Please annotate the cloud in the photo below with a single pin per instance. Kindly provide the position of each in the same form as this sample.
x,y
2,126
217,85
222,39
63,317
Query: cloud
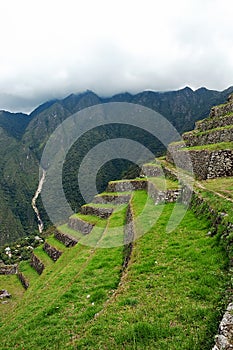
x,y
52,48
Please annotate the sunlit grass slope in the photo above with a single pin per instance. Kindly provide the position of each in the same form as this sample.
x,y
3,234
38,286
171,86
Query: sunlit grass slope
x,y
168,298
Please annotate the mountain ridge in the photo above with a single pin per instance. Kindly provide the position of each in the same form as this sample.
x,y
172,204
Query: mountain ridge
x,y
31,132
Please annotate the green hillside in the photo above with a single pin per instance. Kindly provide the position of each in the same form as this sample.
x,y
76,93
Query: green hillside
x,y
23,139
164,299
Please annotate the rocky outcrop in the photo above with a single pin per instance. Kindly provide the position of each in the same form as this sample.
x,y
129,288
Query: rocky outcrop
x,y
52,252
66,239
37,264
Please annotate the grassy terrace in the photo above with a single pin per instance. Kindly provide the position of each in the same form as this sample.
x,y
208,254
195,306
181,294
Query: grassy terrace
x,y
210,147
220,185
213,119
14,287
162,184
63,299
167,299
206,132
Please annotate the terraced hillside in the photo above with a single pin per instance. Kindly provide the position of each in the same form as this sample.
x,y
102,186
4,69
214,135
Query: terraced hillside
x,y
116,276
210,144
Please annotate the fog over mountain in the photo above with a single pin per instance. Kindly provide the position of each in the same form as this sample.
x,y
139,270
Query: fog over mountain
x,y
50,49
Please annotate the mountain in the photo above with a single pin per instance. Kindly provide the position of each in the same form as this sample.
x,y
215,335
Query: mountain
x,y
23,138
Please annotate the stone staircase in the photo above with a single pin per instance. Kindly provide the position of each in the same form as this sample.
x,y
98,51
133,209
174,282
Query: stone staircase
x,y
210,145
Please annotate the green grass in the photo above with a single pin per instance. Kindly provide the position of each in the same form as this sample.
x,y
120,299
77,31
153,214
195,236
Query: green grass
x,y
100,205
12,284
206,132
223,185
163,184
210,147
92,219
56,244
113,194
63,299
213,119
168,298
43,256
28,271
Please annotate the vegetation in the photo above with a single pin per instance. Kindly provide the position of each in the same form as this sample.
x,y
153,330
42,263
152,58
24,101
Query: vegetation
x,y
167,298
23,139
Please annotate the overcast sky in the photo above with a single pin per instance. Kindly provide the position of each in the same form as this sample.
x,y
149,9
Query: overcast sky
x,y
51,48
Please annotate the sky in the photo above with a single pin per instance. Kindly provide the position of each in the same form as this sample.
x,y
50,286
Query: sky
x,y
49,49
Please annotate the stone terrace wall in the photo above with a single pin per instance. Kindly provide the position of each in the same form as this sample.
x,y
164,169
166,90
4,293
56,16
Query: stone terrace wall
x,y
212,123
223,109
23,280
206,164
37,264
52,252
211,137
8,269
67,240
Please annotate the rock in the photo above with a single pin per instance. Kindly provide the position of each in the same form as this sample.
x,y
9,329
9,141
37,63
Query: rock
x,y
4,294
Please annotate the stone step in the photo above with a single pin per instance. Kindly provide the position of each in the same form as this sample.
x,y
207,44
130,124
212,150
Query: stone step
x,y
213,123
213,136
127,185
67,236
151,169
111,197
78,224
94,209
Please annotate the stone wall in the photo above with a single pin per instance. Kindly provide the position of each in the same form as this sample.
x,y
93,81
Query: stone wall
x,y
37,264
129,235
211,137
151,170
67,240
103,213
212,123
52,252
218,111
127,185
23,280
80,225
114,199
224,338
166,196
8,269
205,164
